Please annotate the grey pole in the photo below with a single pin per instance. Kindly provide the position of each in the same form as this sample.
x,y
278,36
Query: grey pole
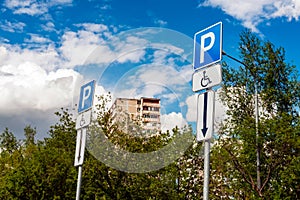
x,y
206,169
79,182
207,161
257,138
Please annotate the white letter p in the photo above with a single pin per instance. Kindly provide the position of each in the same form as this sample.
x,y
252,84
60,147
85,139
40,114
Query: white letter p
x,y
203,48
86,93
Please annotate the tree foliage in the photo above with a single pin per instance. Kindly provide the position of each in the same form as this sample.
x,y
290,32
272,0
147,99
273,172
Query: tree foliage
x,y
32,169
42,169
276,139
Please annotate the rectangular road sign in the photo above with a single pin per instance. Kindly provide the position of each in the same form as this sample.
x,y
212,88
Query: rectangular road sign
x,y
86,96
83,119
80,146
205,115
208,46
207,77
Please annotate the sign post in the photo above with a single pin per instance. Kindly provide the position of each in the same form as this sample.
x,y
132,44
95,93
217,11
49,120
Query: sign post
x,y
207,51
205,130
83,120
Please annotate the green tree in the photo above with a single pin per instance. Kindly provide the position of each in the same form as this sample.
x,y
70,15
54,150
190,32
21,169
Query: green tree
x,y
115,184
234,157
182,179
8,142
29,133
41,169
190,168
45,169
9,160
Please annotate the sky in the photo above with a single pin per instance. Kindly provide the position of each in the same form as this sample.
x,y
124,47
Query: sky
x,y
132,48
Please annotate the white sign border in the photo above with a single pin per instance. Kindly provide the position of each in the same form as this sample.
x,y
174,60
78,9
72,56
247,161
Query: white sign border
x,y
221,47
210,120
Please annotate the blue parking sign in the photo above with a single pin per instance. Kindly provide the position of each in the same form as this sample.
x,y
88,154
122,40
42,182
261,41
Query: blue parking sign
x,y
208,46
86,96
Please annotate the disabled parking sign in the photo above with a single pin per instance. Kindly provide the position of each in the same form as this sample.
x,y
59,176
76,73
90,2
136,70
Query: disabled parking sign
x,y
207,77
208,46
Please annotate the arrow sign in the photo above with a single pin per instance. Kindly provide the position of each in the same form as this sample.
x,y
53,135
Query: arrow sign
x,y
80,143
80,146
205,115
204,128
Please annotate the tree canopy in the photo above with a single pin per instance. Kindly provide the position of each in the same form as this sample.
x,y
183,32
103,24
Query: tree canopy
x,y
45,169
274,140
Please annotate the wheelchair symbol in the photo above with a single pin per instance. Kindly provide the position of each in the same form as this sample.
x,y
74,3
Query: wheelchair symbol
x,y
205,80
82,121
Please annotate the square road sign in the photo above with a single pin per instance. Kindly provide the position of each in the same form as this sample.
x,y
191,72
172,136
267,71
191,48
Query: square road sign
x,y
208,46
86,96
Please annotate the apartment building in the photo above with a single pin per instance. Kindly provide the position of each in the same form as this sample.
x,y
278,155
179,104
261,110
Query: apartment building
x,y
143,110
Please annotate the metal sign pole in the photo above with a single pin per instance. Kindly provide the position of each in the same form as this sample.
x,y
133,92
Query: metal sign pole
x,y
206,169
205,130
79,182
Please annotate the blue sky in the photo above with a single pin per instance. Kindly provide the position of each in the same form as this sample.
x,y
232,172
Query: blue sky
x,y
49,48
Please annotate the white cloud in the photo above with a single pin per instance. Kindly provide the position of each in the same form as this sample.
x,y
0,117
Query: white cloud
x,y
152,80
130,56
171,120
105,7
12,26
130,48
29,87
289,9
46,56
254,12
30,7
33,7
191,102
49,26
96,44
77,46
34,38
160,22
164,75
26,71
92,27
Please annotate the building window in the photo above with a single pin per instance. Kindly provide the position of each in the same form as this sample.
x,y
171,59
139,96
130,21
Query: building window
x,y
155,108
152,116
149,108
146,116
